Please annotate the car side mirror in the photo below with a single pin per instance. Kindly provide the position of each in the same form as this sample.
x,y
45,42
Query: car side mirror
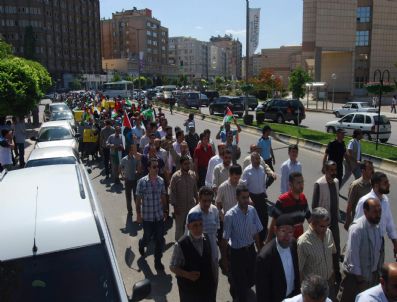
x,y
141,290
33,138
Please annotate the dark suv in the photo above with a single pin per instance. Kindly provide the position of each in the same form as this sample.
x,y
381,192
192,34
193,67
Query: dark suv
x,y
282,110
219,105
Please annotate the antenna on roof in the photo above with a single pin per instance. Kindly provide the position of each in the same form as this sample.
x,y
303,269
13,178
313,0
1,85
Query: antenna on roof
x,y
34,249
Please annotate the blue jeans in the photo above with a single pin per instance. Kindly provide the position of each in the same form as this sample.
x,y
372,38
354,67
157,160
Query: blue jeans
x,y
153,229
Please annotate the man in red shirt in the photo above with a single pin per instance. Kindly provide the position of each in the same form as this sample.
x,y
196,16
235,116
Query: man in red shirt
x,y
292,202
202,155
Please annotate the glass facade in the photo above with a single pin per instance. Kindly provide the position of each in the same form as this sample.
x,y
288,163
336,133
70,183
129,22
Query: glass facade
x,y
363,14
362,38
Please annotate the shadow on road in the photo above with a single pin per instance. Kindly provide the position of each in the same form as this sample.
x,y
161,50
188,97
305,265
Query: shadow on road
x,y
131,228
161,283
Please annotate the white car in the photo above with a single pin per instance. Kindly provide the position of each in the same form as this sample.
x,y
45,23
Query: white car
x,y
351,107
52,156
366,121
56,244
66,115
55,134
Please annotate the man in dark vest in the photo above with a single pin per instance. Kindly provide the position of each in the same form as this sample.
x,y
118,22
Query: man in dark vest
x,y
191,263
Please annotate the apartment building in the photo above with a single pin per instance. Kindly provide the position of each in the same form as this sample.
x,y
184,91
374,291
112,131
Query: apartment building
x,y
350,39
63,35
138,39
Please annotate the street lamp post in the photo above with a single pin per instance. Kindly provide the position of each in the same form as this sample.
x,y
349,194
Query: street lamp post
x,y
381,80
247,55
333,77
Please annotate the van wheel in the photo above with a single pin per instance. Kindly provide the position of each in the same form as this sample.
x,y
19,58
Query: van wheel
x,y
331,130
367,136
280,119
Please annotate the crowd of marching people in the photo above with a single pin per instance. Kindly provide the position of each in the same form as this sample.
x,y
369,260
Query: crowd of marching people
x,y
221,209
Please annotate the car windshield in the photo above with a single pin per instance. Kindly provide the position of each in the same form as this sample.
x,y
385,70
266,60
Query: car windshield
x,y
61,115
79,275
68,160
54,134
383,120
59,107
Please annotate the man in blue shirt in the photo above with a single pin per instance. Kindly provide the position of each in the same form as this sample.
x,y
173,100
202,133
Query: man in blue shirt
x,y
241,228
265,148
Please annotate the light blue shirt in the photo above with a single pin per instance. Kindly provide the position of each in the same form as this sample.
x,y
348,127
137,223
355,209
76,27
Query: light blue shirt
x,y
373,294
239,228
286,169
288,265
265,145
254,179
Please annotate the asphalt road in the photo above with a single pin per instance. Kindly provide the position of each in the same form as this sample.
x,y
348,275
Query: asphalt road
x,y
317,120
125,233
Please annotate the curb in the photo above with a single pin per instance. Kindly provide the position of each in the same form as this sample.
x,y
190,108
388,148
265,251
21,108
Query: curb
x,y
385,165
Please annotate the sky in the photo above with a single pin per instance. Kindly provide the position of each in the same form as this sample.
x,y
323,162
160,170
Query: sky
x,y
280,20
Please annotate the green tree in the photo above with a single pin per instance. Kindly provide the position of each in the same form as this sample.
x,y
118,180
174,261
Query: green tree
x,y
183,80
29,44
21,85
149,82
116,77
219,82
76,84
128,78
5,50
140,82
297,80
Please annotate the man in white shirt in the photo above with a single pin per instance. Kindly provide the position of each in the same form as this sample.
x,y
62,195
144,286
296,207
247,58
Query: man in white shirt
x,y
314,289
215,160
386,291
289,166
254,177
380,187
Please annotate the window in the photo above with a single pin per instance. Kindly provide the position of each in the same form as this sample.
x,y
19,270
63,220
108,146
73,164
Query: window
x,y
358,119
347,119
354,106
363,14
368,120
362,38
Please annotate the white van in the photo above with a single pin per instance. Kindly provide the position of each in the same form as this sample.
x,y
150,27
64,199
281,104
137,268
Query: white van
x,y
55,245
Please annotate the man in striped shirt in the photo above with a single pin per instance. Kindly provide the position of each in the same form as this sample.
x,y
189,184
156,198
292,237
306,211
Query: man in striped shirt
x,y
241,230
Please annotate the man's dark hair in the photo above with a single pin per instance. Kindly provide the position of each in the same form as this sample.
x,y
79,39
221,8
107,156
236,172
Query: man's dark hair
x,y
377,178
356,133
206,191
235,170
167,128
183,159
266,128
202,136
228,152
241,188
153,161
108,122
179,133
207,131
315,287
294,175
293,147
153,125
191,116
365,163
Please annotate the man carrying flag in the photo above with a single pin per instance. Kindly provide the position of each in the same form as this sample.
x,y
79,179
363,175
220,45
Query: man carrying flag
x,y
127,133
225,128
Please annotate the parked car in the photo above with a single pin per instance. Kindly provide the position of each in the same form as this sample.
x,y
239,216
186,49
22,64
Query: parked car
x,y
150,94
366,121
211,95
69,254
49,109
204,100
283,110
218,106
57,133
64,115
351,107
52,156
251,100
190,99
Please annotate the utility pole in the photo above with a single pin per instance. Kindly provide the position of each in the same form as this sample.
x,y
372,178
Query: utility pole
x,y
247,56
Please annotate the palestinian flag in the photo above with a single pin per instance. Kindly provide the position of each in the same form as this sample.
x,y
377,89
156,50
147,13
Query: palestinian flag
x,y
228,118
128,103
126,121
148,114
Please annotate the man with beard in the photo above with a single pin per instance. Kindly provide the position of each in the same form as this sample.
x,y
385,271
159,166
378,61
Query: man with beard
x,y
380,187
326,195
386,291
363,252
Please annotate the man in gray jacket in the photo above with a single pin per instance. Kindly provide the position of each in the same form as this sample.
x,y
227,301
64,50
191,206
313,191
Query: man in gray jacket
x,y
363,250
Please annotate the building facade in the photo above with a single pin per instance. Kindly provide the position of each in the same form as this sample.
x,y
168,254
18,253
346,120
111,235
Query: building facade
x,y
63,35
233,49
349,39
136,37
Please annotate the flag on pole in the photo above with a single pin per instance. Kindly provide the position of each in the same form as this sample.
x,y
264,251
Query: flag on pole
x,y
228,118
126,121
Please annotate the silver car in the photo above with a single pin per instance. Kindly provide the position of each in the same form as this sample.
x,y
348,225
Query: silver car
x,y
57,134
352,107
52,156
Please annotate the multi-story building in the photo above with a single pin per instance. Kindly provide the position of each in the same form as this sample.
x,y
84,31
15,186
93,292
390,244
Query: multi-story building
x,y
233,50
63,35
190,57
350,39
137,38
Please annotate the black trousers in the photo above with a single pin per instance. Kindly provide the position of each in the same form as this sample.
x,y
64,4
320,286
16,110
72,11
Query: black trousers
x,y
242,272
261,208
202,174
106,160
130,185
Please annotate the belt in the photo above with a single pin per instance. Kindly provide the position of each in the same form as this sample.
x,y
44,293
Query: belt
x,y
245,248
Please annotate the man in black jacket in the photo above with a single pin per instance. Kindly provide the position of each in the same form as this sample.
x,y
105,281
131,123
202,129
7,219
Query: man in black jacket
x,y
192,263
277,271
